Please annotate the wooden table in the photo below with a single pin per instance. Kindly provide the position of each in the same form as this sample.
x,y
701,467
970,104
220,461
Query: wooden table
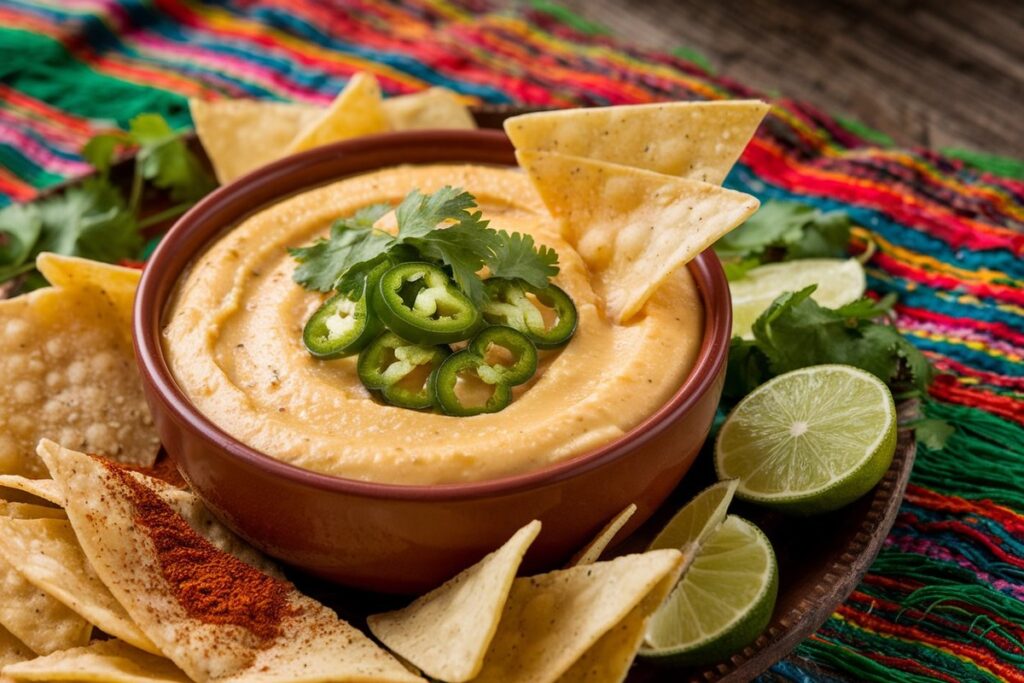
x,y
945,73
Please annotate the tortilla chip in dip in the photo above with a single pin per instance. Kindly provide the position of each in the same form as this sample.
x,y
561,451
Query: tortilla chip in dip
x,y
446,632
214,615
69,369
241,135
430,108
103,661
634,228
552,623
46,553
355,111
695,140
591,553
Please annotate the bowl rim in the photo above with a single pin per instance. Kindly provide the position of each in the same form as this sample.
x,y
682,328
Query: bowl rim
x,y
154,293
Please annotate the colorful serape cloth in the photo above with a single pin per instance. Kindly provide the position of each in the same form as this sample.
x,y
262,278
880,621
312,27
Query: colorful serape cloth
x,y
945,599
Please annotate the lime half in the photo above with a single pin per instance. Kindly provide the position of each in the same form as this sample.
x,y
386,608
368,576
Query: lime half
x,y
692,525
809,441
723,602
839,282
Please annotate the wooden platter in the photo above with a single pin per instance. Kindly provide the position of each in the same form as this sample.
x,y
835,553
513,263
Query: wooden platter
x,y
821,559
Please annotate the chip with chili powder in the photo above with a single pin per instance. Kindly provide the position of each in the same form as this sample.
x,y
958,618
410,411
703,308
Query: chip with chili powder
x,y
213,614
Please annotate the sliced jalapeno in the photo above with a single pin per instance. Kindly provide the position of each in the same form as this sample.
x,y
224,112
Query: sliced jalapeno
x,y
400,370
549,325
419,302
479,379
344,324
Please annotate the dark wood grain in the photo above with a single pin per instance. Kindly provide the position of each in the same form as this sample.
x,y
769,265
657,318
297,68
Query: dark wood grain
x,y
936,73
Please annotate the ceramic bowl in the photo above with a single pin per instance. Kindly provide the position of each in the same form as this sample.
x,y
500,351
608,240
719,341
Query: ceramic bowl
x,y
397,538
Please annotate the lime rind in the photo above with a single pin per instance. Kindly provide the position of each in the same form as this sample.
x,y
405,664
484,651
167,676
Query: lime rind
x,y
809,441
839,282
723,602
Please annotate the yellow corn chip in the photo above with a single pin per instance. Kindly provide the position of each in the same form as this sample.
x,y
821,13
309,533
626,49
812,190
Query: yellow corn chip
x,y
45,489
103,661
12,650
43,624
592,552
553,622
356,111
430,108
239,136
447,631
311,643
695,140
69,370
19,510
633,228
47,554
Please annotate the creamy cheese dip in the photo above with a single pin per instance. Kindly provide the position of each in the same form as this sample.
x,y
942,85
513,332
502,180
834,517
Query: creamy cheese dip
x,y
233,339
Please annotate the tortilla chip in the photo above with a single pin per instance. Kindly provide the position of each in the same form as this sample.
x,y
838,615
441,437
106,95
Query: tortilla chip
x,y
69,370
633,228
43,624
355,111
12,650
104,661
430,108
553,621
447,631
20,510
45,489
47,554
239,136
591,553
310,644
694,140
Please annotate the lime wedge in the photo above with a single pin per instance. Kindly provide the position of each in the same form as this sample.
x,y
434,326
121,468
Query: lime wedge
x,y
723,602
809,441
692,525
839,282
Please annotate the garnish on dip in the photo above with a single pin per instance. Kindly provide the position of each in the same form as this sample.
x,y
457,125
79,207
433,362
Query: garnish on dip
x,y
402,298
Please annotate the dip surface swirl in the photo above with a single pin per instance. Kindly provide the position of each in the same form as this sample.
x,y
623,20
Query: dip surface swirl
x,y
233,339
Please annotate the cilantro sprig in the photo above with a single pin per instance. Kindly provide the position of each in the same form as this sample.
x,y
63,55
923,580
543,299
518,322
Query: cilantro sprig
x,y
783,231
440,228
95,219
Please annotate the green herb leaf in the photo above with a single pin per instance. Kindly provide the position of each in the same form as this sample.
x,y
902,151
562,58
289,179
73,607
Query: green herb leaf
x,y
91,221
737,270
353,243
419,214
20,227
101,149
795,332
426,231
516,256
933,433
164,159
782,231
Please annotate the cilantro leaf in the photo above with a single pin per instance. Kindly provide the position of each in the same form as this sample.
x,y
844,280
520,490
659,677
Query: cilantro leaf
x,y
795,332
419,213
516,256
932,432
782,231
20,227
90,220
164,159
353,242
438,228
100,150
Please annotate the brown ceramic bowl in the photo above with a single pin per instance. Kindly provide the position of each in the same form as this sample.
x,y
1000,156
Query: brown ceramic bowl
x,y
396,538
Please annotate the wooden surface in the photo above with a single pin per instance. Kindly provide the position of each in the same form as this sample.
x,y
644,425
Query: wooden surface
x,y
944,73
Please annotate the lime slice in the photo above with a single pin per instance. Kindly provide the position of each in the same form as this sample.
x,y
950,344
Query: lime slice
x,y
809,441
723,602
692,525
839,282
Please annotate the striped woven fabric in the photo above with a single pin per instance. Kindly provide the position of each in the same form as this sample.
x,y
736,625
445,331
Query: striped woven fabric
x,y
945,600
